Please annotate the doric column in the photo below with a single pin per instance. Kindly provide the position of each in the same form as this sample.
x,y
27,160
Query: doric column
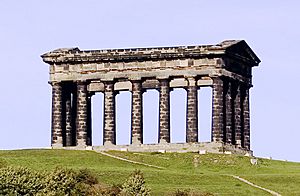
x,y
56,126
218,109
109,135
246,115
228,100
68,111
192,111
164,111
81,117
237,116
137,113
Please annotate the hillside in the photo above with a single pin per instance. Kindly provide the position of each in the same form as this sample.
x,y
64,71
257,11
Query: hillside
x,y
200,173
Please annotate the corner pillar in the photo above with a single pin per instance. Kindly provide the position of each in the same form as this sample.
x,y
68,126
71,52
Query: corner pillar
x,y
246,118
192,112
56,124
109,135
164,111
218,110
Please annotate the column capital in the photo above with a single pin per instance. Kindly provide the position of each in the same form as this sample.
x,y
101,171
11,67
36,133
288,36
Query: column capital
x,y
135,78
191,81
108,80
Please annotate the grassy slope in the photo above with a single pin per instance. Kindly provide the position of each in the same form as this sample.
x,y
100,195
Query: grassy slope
x,y
211,175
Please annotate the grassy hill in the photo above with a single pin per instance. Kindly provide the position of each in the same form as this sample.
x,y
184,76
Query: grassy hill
x,y
199,173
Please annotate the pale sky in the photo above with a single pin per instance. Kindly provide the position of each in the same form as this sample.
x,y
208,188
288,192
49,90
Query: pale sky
x,y
33,27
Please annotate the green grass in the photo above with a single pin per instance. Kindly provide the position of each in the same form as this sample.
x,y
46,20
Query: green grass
x,y
211,174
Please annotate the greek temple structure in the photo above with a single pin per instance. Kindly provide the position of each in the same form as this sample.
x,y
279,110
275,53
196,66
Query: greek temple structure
x,y
76,75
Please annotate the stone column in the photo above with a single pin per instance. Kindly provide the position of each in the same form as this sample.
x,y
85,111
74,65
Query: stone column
x,y
246,115
109,135
192,112
164,111
56,126
68,111
137,113
237,117
81,117
218,110
228,115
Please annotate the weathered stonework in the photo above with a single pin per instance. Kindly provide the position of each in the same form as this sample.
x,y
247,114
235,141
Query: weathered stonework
x,y
109,135
237,116
77,75
57,129
164,111
218,125
81,118
192,112
137,112
246,116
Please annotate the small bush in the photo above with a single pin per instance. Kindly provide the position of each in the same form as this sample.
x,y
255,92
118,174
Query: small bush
x,y
135,185
187,192
20,181
61,182
87,177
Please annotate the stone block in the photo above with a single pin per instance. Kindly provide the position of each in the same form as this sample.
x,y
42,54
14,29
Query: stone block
x,y
202,151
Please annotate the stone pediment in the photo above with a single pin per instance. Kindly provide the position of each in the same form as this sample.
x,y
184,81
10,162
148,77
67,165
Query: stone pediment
x,y
240,50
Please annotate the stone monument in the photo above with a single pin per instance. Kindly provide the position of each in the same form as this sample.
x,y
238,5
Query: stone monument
x,y
75,75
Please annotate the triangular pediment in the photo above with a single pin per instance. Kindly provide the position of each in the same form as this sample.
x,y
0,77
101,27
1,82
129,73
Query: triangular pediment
x,y
241,50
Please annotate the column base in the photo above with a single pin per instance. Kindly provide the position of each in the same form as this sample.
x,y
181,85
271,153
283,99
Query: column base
x,y
57,145
81,143
108,143
136,141
238,143
207,147
163,141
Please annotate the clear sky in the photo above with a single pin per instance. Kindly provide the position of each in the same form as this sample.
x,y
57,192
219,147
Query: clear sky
x,y
32,27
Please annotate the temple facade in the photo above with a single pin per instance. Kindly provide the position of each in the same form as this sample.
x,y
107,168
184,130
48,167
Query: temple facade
x,y
76,75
